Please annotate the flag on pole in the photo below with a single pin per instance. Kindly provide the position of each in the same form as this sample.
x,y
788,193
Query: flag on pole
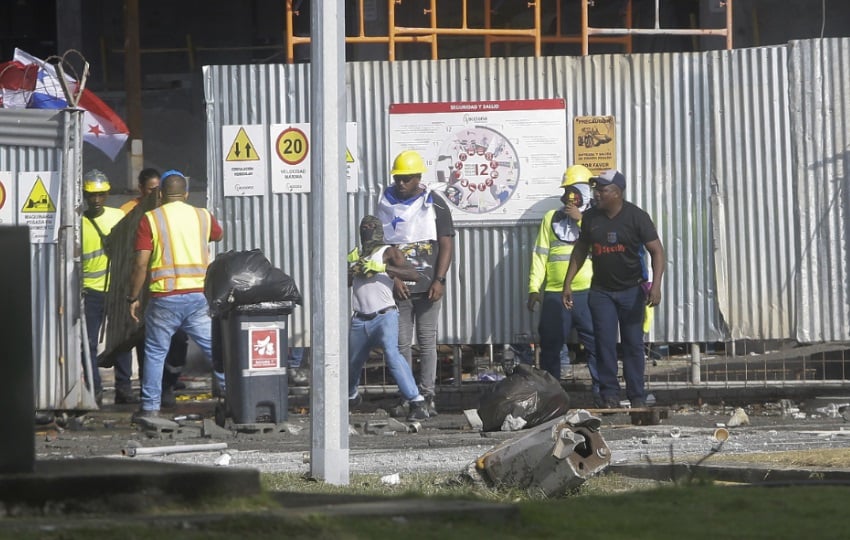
x,y
17,83
101,126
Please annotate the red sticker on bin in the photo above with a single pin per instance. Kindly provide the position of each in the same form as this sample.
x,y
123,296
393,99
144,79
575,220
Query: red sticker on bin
x,y
265,352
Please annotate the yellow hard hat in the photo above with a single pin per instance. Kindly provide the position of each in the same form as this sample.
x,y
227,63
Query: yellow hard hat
x,y
95,181
408,162
576,174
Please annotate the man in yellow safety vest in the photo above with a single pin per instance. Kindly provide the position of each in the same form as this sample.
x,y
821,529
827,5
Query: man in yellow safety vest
x,y
556,237
98,220
171,244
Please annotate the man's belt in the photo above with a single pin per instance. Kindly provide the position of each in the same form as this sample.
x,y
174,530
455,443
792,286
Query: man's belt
x,y
370,316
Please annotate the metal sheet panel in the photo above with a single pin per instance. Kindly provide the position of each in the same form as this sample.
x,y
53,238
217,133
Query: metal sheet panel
x,y
819,72
31,128
690,127
47,145
750,172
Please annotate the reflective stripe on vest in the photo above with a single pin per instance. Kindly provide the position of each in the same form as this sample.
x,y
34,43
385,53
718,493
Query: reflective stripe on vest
x,y
93,259
180,255
550,262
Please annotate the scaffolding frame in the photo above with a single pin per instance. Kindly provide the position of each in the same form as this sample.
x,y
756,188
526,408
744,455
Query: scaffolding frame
x,y
535,34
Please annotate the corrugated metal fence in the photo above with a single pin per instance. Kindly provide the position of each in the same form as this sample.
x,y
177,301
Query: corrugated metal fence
x,y
739,156
34,141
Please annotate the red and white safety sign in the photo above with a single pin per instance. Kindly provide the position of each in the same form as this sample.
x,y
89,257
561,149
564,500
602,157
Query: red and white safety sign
x,y
265,348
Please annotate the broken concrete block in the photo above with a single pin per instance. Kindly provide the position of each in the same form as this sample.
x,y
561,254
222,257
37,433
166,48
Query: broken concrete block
x,y
738,418
553,458
473,419
211,429
395,425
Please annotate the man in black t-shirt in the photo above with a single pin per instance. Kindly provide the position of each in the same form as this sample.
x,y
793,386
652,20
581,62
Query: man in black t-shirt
x,y
616,233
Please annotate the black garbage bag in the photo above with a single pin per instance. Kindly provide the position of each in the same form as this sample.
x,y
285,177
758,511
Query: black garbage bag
x,y
529,393
238,278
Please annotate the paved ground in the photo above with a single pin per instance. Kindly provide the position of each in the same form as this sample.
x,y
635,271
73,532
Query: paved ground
x,y
446,443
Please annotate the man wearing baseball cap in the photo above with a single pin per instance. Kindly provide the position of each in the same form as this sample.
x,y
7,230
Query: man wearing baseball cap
x,y
617,233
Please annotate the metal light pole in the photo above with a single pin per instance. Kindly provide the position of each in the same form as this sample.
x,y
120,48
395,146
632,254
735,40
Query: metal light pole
x,y
329,396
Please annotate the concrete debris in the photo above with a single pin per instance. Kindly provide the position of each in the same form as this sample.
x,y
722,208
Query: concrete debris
x,y
223,460
798,416
289,427
513,424
833,410
352,430
738,418
388,426
414,427
210,429
551,458
788,407
391,479
473,419
675,432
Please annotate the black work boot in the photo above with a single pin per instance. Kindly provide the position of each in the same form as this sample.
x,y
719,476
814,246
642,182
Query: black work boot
x,y
418,411
125,396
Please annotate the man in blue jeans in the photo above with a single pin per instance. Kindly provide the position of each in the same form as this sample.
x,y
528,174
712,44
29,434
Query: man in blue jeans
x,y
419,223
617,232
371,271
172,244
550,259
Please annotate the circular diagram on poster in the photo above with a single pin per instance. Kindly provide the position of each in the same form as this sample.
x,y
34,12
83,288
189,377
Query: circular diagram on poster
x,y
478,169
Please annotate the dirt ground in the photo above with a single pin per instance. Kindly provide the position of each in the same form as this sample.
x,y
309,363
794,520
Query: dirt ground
x,y
444,444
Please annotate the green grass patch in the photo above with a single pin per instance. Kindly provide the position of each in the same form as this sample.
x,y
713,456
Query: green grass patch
x,y
606,507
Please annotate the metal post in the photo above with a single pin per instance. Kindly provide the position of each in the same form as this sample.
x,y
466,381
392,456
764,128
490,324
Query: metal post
x,y
17,389
584,24
729,25
696,360
133,88
329,397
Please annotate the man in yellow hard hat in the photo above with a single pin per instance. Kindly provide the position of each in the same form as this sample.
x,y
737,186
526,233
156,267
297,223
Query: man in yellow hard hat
x,y
419,223
98,221
550,259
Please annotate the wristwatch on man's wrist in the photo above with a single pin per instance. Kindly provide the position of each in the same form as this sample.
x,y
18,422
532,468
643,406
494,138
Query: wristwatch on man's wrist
x,y
131,299
441,280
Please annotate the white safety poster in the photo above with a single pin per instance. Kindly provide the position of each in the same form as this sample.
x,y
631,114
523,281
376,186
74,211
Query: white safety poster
x,y
38,205
491,160
291,147
8,199
352,158
245,160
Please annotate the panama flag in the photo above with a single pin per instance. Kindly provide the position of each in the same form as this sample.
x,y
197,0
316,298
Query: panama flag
x,y
17,83
101,126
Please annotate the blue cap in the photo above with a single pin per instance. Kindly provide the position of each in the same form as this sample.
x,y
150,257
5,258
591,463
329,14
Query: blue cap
x,y
172,172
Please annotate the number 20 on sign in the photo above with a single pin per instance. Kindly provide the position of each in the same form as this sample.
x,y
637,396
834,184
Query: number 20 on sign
x,y
292,146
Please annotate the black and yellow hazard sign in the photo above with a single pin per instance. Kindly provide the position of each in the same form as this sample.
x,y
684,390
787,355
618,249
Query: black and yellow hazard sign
x,y
348,157
38,201
242,149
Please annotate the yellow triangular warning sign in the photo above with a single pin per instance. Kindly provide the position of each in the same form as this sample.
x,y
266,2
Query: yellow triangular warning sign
x,y
348,157
242,148
38,201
